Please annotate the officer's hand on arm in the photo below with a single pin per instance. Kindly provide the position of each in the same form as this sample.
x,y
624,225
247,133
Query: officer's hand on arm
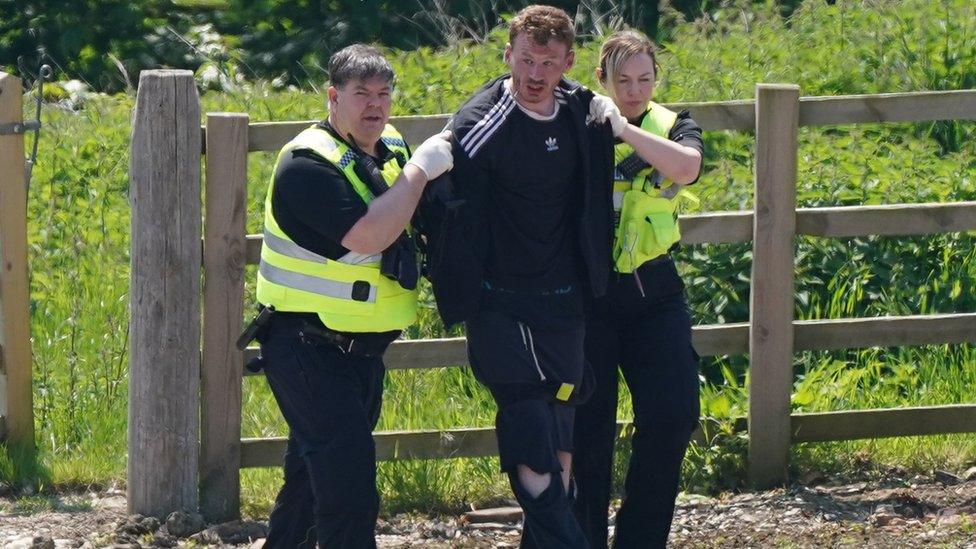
x,y
603,109
674,161
389,213
433,156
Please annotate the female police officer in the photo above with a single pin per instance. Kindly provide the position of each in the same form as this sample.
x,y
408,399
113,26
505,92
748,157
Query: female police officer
x,y
642,323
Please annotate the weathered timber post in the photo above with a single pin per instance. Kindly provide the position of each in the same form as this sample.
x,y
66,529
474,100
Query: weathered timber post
x,y
224,256
771,301
164,326
16,395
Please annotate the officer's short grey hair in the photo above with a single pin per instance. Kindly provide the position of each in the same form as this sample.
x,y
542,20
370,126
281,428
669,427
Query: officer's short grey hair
x,y
358,62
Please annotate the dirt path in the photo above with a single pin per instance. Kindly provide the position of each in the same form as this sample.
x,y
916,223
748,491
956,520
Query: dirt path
x,y
890,512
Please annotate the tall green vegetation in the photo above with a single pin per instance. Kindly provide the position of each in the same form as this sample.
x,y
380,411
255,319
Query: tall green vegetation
x,y
79,246
104,42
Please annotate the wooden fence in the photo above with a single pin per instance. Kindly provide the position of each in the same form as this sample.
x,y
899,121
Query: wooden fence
x,y
771,337
16,398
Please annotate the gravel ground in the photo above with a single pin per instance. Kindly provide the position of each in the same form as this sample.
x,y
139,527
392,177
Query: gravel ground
x,y
933,511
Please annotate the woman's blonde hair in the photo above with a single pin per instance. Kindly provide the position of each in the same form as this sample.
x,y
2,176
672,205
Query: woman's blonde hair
x,y
620,47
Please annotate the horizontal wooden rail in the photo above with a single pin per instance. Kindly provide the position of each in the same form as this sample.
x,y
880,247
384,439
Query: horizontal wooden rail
x,y
271,136
737,115
412,354
724,115
839,222
709,340
888,107
887,220
391,445
836,222
806,427
885,331
843,109
883,423
733,338
430,444
716,227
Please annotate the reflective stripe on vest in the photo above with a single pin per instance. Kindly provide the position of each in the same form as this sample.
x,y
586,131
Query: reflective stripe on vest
x,y
348,293
286,247
315,285
306,283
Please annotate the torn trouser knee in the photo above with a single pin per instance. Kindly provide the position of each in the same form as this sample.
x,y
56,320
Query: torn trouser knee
x,y
548,519
531,432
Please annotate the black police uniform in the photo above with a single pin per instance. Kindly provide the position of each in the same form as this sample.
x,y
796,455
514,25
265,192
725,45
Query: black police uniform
x,y
647,333
329,392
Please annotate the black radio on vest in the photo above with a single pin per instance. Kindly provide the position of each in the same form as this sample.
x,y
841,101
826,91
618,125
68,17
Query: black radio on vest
x,y
399,260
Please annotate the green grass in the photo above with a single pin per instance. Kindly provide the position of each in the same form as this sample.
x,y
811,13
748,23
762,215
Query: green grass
x,y
78,238
40,503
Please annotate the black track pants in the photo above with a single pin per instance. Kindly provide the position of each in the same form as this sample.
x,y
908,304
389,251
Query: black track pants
x,y
518,364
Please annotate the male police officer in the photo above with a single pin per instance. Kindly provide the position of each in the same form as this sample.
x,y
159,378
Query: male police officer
x,y
514,260
338,270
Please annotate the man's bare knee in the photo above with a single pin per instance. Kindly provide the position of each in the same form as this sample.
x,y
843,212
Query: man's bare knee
x,y
566,460
533,483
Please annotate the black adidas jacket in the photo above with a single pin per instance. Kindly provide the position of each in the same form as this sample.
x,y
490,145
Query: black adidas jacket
x,y
454,208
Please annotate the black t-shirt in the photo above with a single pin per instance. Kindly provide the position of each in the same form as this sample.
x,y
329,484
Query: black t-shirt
x,y
313,201
534,206
685,132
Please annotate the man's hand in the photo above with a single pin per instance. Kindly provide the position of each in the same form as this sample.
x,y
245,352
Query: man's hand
x,y
433,156
603,109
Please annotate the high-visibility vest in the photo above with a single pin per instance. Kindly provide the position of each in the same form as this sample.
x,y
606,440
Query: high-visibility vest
x,y
645,204
349,294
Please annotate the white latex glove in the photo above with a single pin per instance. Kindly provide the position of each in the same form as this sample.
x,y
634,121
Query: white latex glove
x,y
433,156
603,109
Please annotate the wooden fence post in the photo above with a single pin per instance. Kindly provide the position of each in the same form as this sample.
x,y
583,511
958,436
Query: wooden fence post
x,y
164,325
771,301
16,394
224,250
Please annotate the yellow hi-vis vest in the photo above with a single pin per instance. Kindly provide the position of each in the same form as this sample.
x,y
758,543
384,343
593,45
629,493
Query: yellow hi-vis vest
x,y
349,294
645,205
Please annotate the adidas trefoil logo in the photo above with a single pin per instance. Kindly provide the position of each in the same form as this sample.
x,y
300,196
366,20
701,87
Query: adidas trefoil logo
x,y
551,144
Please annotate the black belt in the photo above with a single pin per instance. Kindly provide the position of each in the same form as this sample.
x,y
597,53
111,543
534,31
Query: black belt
x,y
650,263
366,344
663,258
